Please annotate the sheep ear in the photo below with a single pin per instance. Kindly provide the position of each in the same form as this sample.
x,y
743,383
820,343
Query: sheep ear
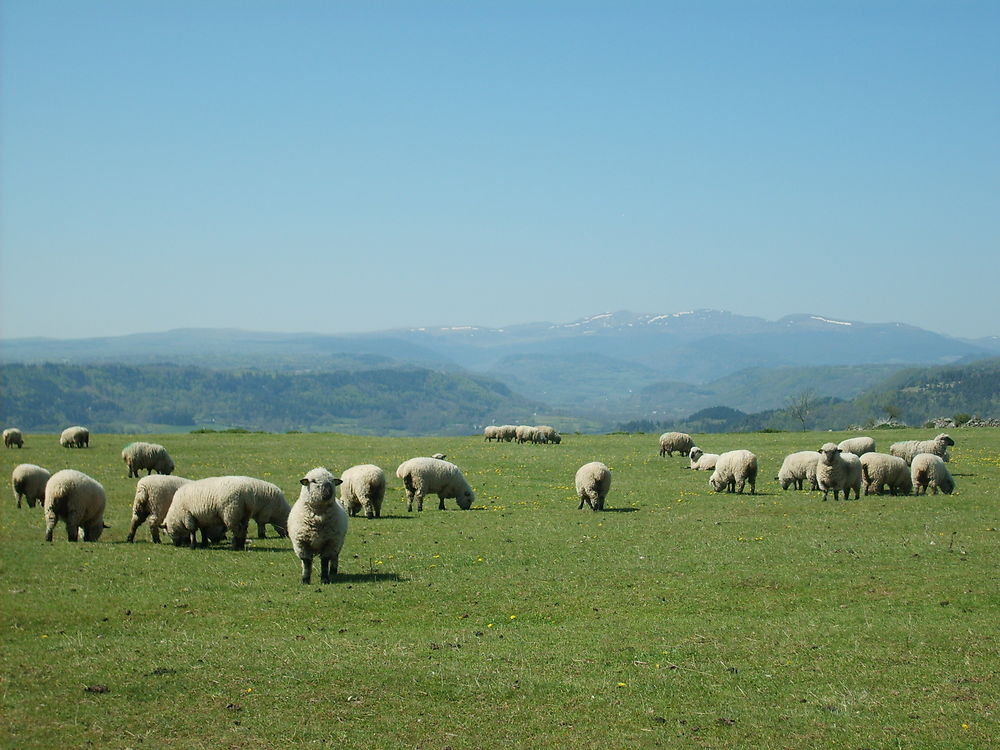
x,y
337,480
304,482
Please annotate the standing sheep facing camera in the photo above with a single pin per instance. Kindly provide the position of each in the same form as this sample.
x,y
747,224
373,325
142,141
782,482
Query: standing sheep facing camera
x,y
363,487
838,471
881,470
317,524
928,470
75,437
798,467
28,481
433,476
593,481
907,449
149,456
701,461
859,446
11,437
153,497
78,500
733,471
675,441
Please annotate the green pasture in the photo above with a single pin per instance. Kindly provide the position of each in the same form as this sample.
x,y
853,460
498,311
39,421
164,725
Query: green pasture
x,y
676,618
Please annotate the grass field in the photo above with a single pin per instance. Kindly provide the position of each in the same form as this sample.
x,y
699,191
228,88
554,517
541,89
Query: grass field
x,y
677,618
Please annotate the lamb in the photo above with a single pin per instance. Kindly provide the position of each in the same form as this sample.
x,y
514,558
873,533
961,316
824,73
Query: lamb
x,y
928,470
859,446
229,502
75,437
28,481
492,433
675,441
11,437
701,461
733,470
838,471
547,434
881,470
153,497
78,500
149,456
432,476
317,524
593,481
796,468
363,487
907,449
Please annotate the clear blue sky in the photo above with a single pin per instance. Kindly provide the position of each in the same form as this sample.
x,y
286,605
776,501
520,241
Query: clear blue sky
x,y
353,166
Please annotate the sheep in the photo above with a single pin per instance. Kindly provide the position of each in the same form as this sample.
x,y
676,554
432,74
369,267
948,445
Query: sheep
x,y
675,441
149,456
796,468
28,481
859,446
928,470
432,476
228,502
11,437
508,432
153,497
593,481
492,433
440,456
907,449
317,524
78,500
525,433
75,437
363,487
836,470
880,470
547,434
733,470
701,461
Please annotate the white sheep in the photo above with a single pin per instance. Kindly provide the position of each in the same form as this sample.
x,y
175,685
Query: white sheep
x,y
907,449
593,481
28,481
317,524
363,488
11,437
928,470
75,437
149,456
798,467
838,471
859,446
675,441
153,496
216,504
508,432
492,433
78,500
701,461
547,434
524,433
733,471
880,470
432,476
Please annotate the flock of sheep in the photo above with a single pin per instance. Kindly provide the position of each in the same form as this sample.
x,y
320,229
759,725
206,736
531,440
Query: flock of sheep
x,y
522,433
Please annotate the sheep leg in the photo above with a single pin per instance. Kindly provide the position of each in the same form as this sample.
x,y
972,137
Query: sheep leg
x,y
261,530
137,519
328,568
582,501
440,503
307,569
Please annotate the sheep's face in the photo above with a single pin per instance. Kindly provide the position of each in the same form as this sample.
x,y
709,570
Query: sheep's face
x,y
828,453
696,453
946,439
716,484
320,485
169,467
466,499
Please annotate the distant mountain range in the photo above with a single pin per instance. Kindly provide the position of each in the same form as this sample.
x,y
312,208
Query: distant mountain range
x,y
602,369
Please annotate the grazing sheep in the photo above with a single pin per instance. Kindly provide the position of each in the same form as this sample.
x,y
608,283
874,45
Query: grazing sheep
x,y
733,471
317,524
508,432
149,456
363,487
675,441
219,503
11,437
547,434
907,449
432,476
78,500
798,467
593,481
525,433
838,471
701,461
859,446
928,470
492,433
153,497
28,481
881,470
75,437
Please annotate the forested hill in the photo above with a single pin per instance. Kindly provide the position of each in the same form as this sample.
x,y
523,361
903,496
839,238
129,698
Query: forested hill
x,y
385,401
